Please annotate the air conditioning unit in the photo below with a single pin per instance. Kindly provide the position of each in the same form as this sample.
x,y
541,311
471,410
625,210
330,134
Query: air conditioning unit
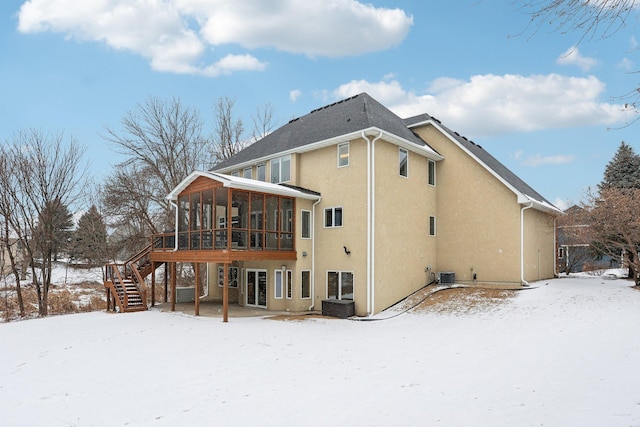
x,y
447,277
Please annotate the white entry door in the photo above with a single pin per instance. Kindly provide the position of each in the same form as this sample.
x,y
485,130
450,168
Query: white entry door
x,y
256,281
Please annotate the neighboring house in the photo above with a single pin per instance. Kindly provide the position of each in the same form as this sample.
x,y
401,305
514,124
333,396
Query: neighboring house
x,y
575,252
5,258
350,202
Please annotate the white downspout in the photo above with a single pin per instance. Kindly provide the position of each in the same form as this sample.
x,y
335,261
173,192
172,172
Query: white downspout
x,y
372,231
313,256
175,239
368,223
524,282
555,248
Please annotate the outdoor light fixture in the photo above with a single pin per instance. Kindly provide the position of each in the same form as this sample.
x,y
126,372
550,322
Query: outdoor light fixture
x,y
284,267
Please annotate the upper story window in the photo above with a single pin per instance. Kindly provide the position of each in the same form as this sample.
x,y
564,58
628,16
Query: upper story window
x,y
235,173
306,224
260,172
281,169
432,226
246,173
333,217
403,162
343,154
432,172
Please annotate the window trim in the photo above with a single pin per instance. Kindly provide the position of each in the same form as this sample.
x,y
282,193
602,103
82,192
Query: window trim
x,y
344,144
230,276
431,166
333,217
302,284
302,228
432,225
279,161
263,167
340,273
288,284
400,150
278,286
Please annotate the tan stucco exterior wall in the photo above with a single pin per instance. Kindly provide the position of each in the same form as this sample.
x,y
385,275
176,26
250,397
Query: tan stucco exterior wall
x,y
539,254
403,247
478,221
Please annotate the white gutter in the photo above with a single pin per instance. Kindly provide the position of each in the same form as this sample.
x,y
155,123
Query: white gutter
x,y
371,221
313,255
524,282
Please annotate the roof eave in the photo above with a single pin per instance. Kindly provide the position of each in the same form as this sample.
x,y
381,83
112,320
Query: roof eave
x,y
240,184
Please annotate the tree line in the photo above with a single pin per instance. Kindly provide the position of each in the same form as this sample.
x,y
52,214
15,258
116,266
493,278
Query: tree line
x,y
43,178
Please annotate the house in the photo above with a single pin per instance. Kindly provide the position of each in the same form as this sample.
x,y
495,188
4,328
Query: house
x,y
353,204
575,250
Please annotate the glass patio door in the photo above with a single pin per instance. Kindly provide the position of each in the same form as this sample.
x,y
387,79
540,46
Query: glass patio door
x,y
256,288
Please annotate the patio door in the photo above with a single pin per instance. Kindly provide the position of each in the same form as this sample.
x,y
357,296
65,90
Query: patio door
x,y
256,281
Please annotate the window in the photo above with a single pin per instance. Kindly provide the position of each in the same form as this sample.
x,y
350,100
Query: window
x,y
403,158
232,276
246,173
343,154
432,172
235,173
340,285
277,288
305,285
260,172
306,225
333,217
432,226
281,169
289,284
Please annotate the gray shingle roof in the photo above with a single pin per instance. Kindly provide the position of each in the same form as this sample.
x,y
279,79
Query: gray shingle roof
x,y
486,158
344,117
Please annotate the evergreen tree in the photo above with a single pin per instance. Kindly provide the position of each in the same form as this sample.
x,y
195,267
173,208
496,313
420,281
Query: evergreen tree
x,y
623,171
90,238
53,232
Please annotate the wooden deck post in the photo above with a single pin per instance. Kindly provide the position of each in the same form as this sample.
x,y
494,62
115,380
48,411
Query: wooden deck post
x,y
225,293
196,291
166,282
173,286
153,284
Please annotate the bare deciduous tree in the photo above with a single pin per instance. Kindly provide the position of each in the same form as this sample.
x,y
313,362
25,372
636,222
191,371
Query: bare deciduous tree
x,y
162,143
589,19
614,224
263,121
228,131
42,171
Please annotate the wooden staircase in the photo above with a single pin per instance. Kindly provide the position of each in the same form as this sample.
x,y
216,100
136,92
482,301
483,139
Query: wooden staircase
x,y
125,283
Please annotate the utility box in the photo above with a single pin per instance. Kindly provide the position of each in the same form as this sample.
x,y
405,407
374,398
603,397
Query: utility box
x,y
338,308
447,277
187,294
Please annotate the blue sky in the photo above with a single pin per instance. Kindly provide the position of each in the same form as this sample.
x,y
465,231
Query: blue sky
x,y
550,111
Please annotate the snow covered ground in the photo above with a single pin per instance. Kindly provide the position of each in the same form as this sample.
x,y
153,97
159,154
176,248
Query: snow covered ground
x,y
563,354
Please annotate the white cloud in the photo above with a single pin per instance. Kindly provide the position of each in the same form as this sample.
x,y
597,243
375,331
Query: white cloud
x,y
294,95
572,56
492,104
540,160
174,34
561,204
626,64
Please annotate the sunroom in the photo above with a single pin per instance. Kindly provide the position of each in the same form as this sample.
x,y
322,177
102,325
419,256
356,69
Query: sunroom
x,y
222,220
